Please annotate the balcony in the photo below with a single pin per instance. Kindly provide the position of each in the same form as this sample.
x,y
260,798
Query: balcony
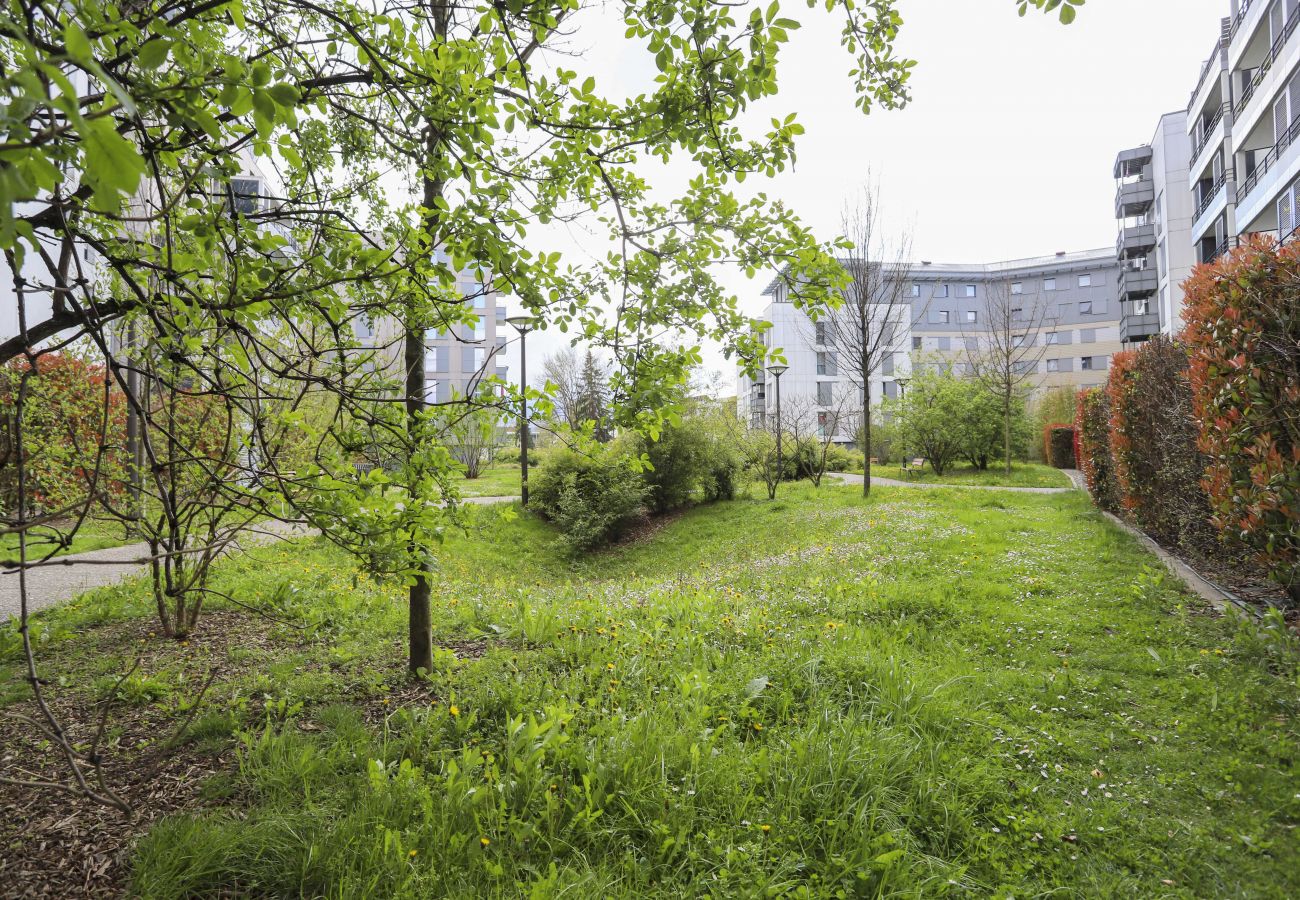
x,y
1210,130
1210,195
1134,198
1137,281
1270,159
1135,240
1265,65
1138,321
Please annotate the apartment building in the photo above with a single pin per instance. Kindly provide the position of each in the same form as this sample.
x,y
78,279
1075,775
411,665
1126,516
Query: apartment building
x,y
458,360
1244,121
1155,214
1069,303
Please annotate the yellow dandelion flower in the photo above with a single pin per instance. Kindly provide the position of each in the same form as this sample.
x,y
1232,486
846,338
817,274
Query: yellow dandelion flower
x,y
414,853
766,828
455,710
484,841
758,726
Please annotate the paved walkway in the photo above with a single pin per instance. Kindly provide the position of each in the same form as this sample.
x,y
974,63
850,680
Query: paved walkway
x,y
849,478
64,577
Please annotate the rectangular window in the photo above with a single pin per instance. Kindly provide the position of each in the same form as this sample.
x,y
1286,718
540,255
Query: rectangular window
x,y
823,419
968,290
972,316
1086,363
1017,287
941,291
1085,308
916,343
943,317
1017,312
1049,284
363,329
1053,365
972,345
1018,340
824,389
915,290
1085,281
945,343
245,193
826,363
1053,338
819,332
1088,336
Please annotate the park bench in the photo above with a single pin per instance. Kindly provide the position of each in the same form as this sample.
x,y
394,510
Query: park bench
x,y
915,465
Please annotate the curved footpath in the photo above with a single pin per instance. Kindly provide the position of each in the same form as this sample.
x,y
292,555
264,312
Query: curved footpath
x,y
64,577
848,478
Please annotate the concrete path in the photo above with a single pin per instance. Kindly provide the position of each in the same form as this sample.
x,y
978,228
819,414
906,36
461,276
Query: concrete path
x,y
849,478
64,577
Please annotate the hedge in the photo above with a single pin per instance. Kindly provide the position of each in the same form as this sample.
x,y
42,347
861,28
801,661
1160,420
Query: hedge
x,y
1153,441
1243,335
1092,448
1058,445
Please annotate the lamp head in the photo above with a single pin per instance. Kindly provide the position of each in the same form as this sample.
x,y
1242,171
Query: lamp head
x,y
778,369
521,323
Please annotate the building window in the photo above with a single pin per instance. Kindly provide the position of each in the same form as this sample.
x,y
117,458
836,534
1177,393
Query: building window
x,y
1085,281
819,332
915,289
244,194
1018,340
823,419
363,329
1017,287
916,343
1085,308
826,363
972,316
824,389
968,290
1053,365
941,291
943,317
1049,284
1053,338
1086,363
1088,336
1017,312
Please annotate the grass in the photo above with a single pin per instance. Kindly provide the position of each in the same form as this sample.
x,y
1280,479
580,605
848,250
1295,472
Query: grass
x,y
496,480
1022,475
92,535
951,693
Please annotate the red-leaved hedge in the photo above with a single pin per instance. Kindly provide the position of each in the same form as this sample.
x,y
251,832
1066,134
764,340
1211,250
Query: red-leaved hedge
x,y
1243,335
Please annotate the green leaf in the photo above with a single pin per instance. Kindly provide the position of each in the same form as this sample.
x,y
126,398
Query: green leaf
x,y
154,53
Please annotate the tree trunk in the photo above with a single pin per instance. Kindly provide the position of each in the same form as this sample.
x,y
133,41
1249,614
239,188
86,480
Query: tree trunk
x,y
421,618
1006,429
866,441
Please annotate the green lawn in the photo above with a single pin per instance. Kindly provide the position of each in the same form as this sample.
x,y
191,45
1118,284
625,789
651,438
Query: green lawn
x,y
91,535
496,480
946,693
1022,475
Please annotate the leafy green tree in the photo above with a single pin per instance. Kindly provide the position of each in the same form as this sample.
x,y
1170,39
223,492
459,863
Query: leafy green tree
x,y
593,399
932,416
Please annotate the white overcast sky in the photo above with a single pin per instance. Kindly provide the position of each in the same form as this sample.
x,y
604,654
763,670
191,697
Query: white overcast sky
x,y
1006,148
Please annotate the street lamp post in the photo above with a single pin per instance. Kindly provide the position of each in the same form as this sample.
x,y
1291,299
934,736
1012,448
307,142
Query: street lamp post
x,y
777,371
523,324
902,395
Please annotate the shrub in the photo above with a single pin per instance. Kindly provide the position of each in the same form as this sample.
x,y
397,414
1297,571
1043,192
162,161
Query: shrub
x,y
679,465
68,417
1052,406
1243,334
591,497
1058,446
1092,448
512,455
1153,438
932,416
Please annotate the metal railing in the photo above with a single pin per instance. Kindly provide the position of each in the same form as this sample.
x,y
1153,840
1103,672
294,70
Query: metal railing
x,y
1241,17
1270,159
1266,65
1207,132
1129,185
1210,196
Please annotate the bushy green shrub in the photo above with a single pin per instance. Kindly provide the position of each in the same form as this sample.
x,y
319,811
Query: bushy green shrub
x,y
1092,435
1058,446
591,497
512,455
1243,332
1153,439
679,465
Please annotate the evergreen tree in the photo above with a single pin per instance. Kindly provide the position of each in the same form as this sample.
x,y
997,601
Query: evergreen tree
x,y
593,398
